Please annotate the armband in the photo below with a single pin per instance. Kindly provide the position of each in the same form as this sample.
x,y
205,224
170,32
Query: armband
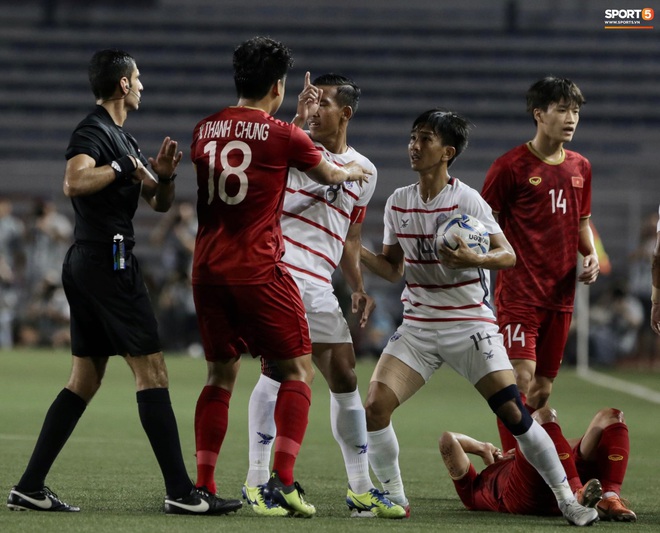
x,y
123,167
655,295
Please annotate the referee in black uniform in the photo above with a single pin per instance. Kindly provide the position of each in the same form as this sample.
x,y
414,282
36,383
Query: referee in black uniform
x,y
111,312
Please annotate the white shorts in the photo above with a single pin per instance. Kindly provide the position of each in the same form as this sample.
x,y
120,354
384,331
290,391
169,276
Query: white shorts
x,y
473,349
326,320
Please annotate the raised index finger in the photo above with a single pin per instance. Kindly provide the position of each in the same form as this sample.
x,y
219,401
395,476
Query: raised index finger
x,y
307,79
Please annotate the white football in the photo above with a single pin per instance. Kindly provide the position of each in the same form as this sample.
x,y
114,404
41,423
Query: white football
x,y
469,229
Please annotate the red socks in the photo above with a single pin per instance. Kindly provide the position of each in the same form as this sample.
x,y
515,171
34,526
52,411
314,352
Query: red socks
x,y
612,456
211,416
291,417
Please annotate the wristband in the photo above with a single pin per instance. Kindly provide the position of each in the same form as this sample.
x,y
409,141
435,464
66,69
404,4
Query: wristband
x,y
123,167
167,180
655,295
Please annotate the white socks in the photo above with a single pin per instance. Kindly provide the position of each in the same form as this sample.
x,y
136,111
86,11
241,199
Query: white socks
x,y
384,459
349,427
261,429
539,450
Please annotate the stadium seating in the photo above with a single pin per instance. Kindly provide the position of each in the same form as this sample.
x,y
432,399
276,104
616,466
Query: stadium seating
x,y
476,57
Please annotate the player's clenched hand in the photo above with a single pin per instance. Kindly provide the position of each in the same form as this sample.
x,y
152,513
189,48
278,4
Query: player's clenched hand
x,y
590,269
363,304
165,163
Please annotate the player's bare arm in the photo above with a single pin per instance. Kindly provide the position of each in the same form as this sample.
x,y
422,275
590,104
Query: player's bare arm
x,y
389,264
361,302
327,173
587,247
499,256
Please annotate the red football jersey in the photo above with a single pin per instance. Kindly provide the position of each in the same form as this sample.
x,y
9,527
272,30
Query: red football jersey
x,y
539,205
242,156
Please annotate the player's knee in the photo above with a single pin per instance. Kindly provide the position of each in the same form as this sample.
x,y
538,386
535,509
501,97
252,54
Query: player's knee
x,y
508,406
608,416
545,415
378,412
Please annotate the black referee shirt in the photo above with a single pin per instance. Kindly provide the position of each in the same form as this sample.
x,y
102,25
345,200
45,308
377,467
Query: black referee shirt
x,y
101,215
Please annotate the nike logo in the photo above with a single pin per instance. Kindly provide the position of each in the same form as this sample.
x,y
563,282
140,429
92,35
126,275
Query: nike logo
x,y
200,507
46,503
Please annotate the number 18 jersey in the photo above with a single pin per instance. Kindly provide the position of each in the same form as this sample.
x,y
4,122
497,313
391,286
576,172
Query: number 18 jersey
x,y
242,156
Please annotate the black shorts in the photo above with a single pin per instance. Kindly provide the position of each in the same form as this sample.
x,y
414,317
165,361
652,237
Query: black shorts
x,y
111,311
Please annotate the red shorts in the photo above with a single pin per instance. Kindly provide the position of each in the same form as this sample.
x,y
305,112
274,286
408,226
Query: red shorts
x,y
536,334
265,320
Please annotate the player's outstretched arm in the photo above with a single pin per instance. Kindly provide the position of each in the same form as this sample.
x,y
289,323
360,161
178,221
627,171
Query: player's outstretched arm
x,y
388,265
327,173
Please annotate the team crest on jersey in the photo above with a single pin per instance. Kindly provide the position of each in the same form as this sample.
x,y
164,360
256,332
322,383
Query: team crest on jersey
x,y
535,180
440,220
577,182
395,337
405,222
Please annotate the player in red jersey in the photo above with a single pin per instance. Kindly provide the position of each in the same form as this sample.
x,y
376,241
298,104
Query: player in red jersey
x,y
541,194
655,285
245,298
509,484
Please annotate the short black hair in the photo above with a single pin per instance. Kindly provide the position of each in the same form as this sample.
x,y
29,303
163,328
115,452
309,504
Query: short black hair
x,y
106,68
452,128
258,64
348,93
553,89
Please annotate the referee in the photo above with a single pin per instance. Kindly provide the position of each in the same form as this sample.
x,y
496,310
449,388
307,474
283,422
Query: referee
x,y
111,312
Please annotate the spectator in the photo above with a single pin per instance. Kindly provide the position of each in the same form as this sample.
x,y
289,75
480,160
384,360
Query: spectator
x,y
12,232
616,320
49,235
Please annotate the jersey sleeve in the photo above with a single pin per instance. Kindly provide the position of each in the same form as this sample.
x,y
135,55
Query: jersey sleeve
x,y
497,185
477,207
86,140
303,154
389,236
465,487
585,208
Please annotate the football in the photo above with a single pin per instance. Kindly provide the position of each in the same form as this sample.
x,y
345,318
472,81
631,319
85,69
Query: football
x,y
469,229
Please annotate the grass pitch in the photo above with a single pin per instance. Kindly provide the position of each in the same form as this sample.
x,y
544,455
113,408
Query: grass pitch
x,y
108,469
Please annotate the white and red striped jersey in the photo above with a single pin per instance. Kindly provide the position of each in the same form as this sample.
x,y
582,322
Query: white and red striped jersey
x,y
316,218
435,296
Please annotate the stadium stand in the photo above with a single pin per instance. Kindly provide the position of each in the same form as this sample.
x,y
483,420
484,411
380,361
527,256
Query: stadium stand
x,y
475,56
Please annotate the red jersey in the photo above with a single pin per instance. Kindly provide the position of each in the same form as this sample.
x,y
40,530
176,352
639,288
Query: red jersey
x,y
242,157
539,205
507,486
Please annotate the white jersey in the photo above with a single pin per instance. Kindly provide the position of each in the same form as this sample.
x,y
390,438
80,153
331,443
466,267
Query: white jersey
x,y
435,296
316,218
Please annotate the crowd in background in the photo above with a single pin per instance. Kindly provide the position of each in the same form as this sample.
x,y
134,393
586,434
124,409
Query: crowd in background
x,y
34,311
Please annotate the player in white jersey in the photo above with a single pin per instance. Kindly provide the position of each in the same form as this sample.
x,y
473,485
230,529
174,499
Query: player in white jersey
x,y
322,230
447,317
